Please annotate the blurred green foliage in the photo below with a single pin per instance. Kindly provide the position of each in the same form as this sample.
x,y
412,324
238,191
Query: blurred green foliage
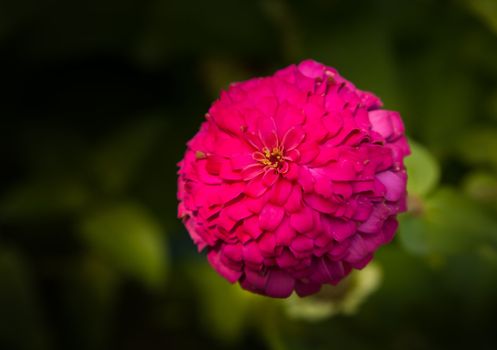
x,y
101,97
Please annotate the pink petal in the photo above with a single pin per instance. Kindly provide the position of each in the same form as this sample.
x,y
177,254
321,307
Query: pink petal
x,y
238,211
308,152
270,217
375,221
256,278
231,275
287,117
306,180
251,226
302,244
293,171
320,204
302,221
311,69
358,250
252,171
267,132
286,259
255,188
293,138
252,255
255,205
241,160
333,124
305,289
285,233
226,172
294,202
335,269
381,123
323,187
267,244
281,191
341,230
293,155
270,177
279,284
394,184
360,264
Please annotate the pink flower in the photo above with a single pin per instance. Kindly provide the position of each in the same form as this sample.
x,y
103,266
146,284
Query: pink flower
x,y
293,180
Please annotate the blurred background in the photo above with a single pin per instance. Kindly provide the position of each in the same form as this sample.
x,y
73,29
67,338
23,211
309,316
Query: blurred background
x,y
99,99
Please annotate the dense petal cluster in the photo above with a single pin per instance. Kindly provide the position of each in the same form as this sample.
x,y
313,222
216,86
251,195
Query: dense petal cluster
x,y
293,180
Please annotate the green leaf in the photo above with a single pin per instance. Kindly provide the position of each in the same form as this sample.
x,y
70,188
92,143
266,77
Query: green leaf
x,y
225,307
220,72
126,236
88,299
21,323
481,186
118,160
479,147
448,223
44,199
423,170
486,10
413,234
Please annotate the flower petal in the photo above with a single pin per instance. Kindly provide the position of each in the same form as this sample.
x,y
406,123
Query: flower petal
x,y
270,217
279,284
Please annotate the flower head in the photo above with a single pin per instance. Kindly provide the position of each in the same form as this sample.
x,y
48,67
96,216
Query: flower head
x,y
293,180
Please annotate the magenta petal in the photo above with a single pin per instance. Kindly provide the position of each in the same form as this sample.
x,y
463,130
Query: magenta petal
x,y
285,233
286,260
333,124
320,204
251,226
229,192
380,121
360,264
358,250
281,191
267,244
279,284
394,185
294,202
242,160
306,180
340,230
311,68
270,177
255,205
256,278
376,219
302,244
323,187
305,289
252,171
397,124
302,221
293,138
238,211
252,255
270,217
308,152
231,275
255,188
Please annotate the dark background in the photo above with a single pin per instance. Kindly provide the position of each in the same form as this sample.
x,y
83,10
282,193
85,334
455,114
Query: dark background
x,y
99,98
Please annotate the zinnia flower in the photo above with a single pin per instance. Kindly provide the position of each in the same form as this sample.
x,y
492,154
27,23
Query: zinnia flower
x,y
293,180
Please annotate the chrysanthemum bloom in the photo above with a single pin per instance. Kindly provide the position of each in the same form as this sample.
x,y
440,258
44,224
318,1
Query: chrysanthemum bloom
x,y
293,180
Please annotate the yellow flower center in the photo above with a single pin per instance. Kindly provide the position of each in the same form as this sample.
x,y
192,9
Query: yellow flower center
x,y
272,158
